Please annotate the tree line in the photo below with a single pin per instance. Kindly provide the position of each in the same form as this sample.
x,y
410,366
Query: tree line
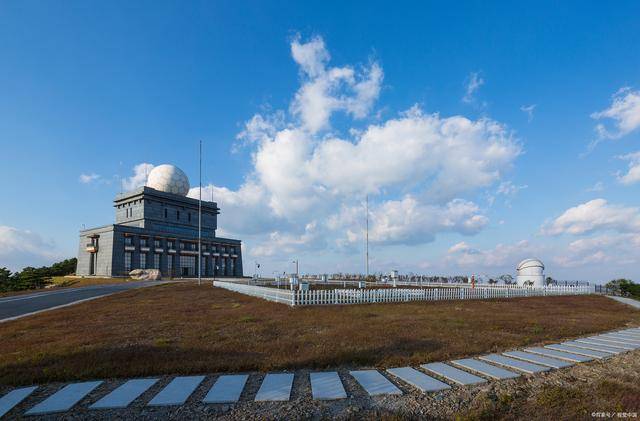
x,y
34,278
624,288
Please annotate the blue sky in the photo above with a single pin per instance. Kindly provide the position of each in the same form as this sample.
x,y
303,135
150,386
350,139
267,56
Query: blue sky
x,y
483,133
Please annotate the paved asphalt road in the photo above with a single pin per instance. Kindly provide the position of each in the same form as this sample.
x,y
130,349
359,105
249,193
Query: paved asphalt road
x,y
21,305
629,301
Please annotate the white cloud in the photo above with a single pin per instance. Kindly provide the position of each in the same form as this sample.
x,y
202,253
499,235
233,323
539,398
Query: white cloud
x,y
306,188
475,81
139,177
633,174
598,187
507,188
327,90
89,178
502,256
595,215
287,244
21,248
624,111
528,110
612,249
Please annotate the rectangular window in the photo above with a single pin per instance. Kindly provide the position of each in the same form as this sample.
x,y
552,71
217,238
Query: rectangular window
x,y
170,265
143,260
157,244
189,216
170,245
166,213
178,215
181,245
156,261
231,250
127,262
128,241
144,242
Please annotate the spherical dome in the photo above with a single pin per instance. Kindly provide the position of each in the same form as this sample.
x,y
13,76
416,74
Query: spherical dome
x,y
530,263
170,179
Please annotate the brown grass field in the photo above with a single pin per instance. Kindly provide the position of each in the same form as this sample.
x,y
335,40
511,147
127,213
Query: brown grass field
x,y
183,328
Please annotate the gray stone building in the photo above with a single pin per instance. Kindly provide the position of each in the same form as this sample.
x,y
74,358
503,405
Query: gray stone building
x,y
156,227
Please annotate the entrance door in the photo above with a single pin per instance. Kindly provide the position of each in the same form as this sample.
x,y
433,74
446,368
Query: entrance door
x,y
92,264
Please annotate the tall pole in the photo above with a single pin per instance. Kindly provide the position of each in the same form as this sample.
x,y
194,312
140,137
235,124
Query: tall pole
x,y
367,241
200,221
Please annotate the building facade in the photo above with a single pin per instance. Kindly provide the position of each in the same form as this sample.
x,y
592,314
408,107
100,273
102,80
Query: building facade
x,y
157,229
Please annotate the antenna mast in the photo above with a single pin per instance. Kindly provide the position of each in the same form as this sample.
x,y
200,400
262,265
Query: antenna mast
x,y
367,241
200,221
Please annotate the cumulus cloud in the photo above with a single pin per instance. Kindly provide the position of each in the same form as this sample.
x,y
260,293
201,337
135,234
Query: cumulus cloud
x,y
632,176
595,215
139,177
89,178
326,90
308,183
528,110
21,248
474,82
614,249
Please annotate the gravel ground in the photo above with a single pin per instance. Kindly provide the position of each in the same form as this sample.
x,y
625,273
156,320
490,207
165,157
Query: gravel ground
x,y
460,402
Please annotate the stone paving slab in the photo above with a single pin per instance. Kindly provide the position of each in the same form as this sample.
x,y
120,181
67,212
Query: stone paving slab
x,y
65,398
594,347
559,354
327,386
538,359
632,336
524,366
580,351
124,394
485,369
454,374
227,389
614,344
375,383
177,392
275,387
418,379
628,332
13,398
619,340
625,337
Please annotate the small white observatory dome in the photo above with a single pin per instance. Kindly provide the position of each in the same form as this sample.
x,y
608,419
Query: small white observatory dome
x,y
530,273
168,178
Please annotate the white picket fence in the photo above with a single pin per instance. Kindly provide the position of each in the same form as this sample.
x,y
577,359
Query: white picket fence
x,y
393,295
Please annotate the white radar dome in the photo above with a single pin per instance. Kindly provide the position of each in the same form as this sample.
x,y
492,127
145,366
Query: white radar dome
x,y
170,179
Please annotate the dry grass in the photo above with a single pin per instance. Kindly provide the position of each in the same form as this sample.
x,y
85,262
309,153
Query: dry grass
x,y
183,328
571,399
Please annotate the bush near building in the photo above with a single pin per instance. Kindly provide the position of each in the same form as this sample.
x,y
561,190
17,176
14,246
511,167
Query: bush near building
x,y
624,287
34,278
